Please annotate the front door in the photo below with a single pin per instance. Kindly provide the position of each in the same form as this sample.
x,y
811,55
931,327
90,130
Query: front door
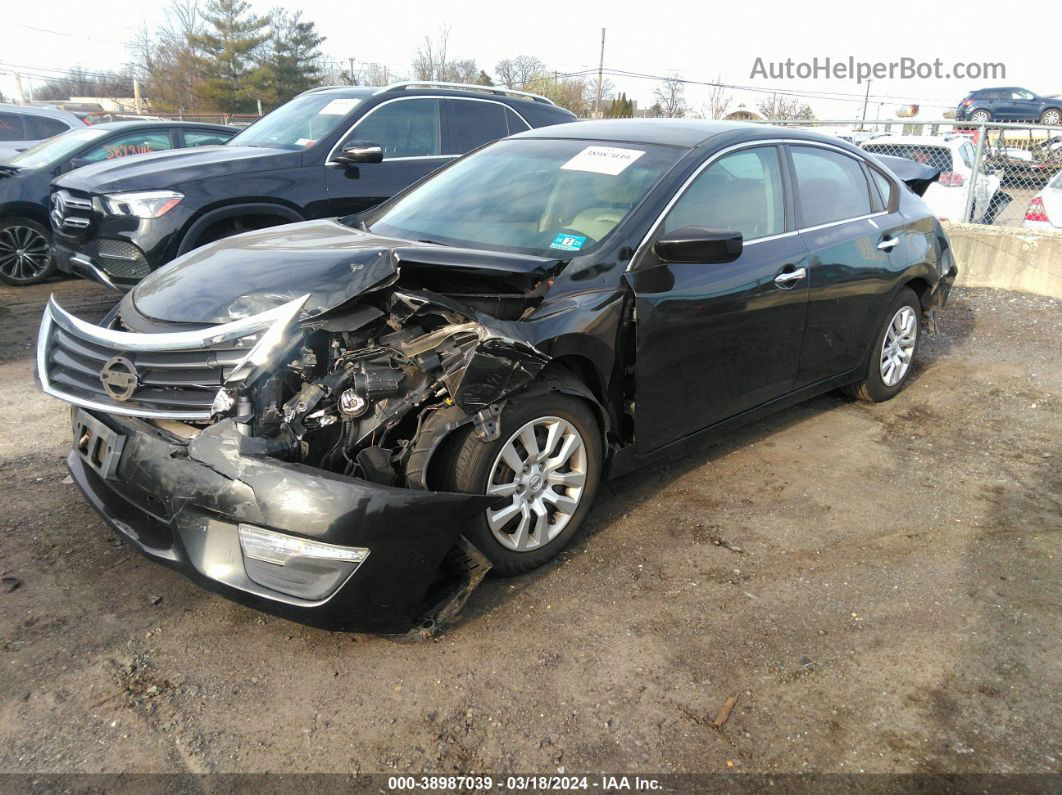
x,y
410,132
714,340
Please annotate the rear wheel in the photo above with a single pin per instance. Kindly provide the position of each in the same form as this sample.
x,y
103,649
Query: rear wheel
x,y
25,252
894,351
544,468
981,116
1052,117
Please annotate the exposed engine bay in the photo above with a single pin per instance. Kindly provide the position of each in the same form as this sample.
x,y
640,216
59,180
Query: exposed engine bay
x,y
366,392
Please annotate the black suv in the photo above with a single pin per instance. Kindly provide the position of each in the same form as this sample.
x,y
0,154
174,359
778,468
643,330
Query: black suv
x,y
328,152
25,180
1009,104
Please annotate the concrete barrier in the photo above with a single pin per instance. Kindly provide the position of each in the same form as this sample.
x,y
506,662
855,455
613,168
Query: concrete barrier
x,y
1009,258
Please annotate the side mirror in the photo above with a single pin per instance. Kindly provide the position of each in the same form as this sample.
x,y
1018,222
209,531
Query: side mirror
x,y
699,244
355,152
77,162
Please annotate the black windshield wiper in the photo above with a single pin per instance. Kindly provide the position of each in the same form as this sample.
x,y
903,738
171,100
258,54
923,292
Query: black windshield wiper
x,y
432,242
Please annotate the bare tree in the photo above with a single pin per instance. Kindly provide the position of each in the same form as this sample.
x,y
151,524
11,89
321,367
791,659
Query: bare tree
x,y
519,71
780,107
718,101
430,60
670,98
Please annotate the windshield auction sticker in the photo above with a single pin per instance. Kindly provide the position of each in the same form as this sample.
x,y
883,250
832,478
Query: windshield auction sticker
x,y
568,242
603,160
338,107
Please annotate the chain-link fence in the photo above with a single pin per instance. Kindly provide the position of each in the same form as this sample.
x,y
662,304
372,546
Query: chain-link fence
x,y
992,173
232,119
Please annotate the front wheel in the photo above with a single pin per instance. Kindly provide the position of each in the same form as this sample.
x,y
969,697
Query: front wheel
x,y
981,116
544,468
1051,117
894,351
25,252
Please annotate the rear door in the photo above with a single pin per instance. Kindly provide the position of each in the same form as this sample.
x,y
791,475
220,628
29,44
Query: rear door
x,y
853,240
716,339
410,130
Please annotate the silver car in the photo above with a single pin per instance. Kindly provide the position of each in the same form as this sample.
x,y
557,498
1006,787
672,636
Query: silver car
x,y
21,126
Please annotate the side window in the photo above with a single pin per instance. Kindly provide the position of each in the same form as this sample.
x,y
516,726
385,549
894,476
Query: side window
x,y
205,137
884,187
11,127
40,127
741,191
474,123
405,128
514,122
830,186
137,143
1023,94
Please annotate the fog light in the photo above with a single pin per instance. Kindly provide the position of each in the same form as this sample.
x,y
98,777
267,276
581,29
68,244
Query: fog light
x,y
297,566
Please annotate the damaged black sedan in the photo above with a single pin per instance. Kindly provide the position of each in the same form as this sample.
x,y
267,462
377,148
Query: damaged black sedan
x,y
348,422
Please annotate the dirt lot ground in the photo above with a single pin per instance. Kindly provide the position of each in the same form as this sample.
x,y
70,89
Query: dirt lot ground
x,y
879,584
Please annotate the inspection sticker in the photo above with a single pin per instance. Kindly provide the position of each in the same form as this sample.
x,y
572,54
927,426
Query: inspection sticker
x,y
568,242
338,107
603,160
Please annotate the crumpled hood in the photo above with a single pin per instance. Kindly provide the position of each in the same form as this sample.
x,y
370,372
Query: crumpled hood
x,y
174,167
258,271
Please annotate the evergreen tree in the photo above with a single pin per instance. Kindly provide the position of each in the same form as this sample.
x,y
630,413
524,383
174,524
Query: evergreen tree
x,y
230,45
293,62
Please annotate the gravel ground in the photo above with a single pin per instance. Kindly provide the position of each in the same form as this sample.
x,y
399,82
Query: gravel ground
x,y
877,584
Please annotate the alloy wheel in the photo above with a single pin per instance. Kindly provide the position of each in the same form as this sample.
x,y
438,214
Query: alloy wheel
x,y
542,468
1051,118
24,253
897,350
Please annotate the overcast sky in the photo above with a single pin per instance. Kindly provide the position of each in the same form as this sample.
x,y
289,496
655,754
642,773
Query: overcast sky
x,y
697,40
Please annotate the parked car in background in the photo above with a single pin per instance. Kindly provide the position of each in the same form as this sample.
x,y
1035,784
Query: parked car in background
x,y
1009,104
954,155
328,152
21,126
1030,166
349,421
25,182
1045,208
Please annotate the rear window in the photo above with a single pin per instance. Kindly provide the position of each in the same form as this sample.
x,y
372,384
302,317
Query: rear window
x,y
933,156
40,127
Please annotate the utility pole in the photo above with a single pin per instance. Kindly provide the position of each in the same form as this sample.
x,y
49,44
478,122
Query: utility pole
x,y
136,97
866,99
351,71
600,77
18,89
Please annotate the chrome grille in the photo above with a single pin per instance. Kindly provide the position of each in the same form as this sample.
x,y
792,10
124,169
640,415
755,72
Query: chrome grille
x,y
69,212
174,375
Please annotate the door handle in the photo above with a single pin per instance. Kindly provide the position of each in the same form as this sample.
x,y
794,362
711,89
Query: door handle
x,y
888,243
787,278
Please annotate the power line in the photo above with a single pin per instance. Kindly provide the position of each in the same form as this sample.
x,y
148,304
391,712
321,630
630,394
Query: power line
x,y
62,33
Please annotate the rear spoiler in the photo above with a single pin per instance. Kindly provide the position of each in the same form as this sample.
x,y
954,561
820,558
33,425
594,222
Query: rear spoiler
x,y
917,176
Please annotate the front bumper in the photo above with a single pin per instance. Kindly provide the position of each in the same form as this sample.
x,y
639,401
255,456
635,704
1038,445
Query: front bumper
x,y
181,503
119,270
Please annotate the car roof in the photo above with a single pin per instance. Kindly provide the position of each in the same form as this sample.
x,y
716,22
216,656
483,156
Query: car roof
x,y
33,110
686,133
921,140
186,125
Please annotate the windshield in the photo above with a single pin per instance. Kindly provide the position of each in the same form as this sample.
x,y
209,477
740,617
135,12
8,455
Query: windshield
x,y
548,198
298,124
56,148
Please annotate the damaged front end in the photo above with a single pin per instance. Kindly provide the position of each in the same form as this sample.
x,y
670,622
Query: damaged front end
x,y
284,458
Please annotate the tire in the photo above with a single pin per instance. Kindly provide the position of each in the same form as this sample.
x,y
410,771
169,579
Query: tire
x,y
25,252
875,387
981,115
469,464
1052,117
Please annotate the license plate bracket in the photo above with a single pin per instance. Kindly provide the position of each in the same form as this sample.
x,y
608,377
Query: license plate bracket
x,y
100,446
